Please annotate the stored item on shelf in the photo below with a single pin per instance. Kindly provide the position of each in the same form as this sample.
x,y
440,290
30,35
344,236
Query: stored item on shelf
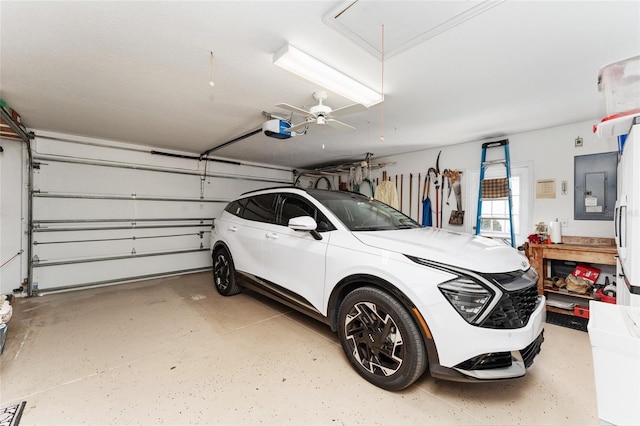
x,y
587,272
604,298
620,83
555,232
535,239
560,303
559,282
581,311
578,285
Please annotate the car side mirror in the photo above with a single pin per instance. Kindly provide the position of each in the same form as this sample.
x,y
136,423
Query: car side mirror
x,y
305,223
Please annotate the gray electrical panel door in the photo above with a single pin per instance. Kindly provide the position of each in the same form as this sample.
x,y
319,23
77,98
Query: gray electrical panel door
x,y
595,186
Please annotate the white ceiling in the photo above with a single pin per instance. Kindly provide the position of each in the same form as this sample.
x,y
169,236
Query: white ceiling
x,y
139,71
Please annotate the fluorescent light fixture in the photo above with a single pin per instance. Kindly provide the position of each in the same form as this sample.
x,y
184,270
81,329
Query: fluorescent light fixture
x,y
306,66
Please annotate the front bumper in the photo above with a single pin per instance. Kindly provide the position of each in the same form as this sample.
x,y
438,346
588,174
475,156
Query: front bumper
x,y
491,366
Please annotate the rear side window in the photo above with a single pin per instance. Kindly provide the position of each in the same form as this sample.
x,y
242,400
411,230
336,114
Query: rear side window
x,y
235,208
259,208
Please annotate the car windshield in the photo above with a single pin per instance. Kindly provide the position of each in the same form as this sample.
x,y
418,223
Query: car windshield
x,y
360,213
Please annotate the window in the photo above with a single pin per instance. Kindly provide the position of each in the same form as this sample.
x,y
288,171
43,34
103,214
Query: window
x,y
294,206
360,213
497,211
235,208
260,208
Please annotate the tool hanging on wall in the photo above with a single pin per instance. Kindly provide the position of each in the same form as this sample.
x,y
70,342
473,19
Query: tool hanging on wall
x,y
410,192
401,190
418,204
427,218
436,183
457,216
445,180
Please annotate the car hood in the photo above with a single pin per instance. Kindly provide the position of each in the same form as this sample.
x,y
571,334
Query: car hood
x,y
466,251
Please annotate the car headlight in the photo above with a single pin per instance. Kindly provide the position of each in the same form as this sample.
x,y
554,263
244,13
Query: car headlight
x,y
467,296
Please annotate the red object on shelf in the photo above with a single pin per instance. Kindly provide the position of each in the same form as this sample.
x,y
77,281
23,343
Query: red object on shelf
x,y
581,311
535,239
587,272
604,298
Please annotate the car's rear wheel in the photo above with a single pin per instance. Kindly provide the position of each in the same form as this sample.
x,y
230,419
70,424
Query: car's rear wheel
x,y
224,273
381,339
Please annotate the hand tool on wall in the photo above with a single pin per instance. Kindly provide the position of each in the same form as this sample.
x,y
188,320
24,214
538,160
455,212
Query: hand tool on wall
x,y
457,215
401,189
410,192
418,194
445,179
437,185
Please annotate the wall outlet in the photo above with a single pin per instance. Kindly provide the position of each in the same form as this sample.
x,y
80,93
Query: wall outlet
x,y
578,141
564,223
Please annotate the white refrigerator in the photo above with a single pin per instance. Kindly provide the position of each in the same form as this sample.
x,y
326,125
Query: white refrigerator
x,y
627,217
614,330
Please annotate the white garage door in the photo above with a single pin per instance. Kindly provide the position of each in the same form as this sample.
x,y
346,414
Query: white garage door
x,y
107,214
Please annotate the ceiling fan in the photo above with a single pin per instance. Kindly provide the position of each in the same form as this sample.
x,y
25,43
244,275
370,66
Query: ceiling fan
x,y
323,114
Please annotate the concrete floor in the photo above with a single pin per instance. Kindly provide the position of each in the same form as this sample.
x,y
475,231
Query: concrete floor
x,y
172,351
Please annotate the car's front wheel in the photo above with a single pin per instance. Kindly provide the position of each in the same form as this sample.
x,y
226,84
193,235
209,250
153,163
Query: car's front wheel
x,y
224,273
381,339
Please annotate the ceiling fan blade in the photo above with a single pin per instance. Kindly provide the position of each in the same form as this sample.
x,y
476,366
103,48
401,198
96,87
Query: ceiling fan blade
x,y
339,125
295,109
300,126
349,109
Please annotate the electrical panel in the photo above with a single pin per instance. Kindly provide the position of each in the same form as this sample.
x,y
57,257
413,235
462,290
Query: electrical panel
x,y
595,178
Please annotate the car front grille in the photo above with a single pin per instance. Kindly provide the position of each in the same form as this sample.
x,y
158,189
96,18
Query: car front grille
x,y
514,309
530,352
487,361
503,359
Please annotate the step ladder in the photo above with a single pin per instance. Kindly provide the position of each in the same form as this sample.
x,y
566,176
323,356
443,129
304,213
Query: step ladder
x,y
495,189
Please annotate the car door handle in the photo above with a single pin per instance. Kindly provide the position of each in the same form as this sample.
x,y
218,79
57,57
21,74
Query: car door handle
x,y
233,228
272,236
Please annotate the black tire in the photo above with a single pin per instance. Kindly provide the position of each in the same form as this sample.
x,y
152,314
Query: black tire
x,y
224,273
381,339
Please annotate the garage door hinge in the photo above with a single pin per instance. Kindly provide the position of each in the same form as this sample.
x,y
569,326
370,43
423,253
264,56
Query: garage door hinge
x,y
36,259
133,251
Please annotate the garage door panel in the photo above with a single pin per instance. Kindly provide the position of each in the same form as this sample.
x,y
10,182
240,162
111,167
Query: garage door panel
x,y
48,208
50,235
89,179
72,179
118,270
50,145
80,246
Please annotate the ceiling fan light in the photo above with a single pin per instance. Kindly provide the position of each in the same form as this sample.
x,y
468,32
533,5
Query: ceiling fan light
x,y
306,66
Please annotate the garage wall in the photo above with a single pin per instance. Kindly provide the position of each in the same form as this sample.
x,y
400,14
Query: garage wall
x,y
550,152
107,212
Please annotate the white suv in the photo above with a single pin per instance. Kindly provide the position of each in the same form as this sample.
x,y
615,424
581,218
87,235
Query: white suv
x,y
401,297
